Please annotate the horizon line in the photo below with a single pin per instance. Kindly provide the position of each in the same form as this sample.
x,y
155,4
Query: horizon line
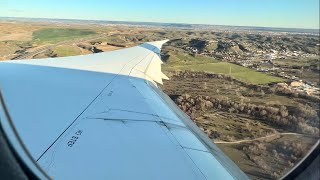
x,y
182,23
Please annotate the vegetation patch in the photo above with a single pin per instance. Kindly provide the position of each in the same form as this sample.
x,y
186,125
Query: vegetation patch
x,y
208,64
236,71
66,50
59,34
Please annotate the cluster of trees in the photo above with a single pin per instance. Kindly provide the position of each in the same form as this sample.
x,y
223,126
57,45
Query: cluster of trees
x,y
305,120
267,89
254,151
286,151
280,90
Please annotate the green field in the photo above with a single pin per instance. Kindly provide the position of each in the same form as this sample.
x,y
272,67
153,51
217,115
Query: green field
x,y
66,50
59,34
236,71
207,64
181,59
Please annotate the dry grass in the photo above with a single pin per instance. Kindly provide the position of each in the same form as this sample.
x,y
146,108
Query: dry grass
x,y
17,31
269,160
106,48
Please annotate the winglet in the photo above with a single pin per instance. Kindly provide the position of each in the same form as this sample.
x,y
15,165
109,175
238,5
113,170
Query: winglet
x,y
153,71
154,46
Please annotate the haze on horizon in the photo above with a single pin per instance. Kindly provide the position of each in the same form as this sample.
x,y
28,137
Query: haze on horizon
x,y
265,13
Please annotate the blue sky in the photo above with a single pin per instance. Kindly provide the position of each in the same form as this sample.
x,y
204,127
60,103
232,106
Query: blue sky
x,y
271,13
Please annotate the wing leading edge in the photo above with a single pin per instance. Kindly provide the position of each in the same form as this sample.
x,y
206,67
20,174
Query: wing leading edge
x,y
106,112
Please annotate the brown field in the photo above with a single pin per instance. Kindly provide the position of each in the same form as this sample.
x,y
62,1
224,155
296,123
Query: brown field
x,y
17,39
17,31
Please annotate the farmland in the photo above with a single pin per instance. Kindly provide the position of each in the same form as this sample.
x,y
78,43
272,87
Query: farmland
x,y
187,62
59,34
236,71
66,50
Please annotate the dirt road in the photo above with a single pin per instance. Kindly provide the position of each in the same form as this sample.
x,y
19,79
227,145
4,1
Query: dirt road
x,y
261,138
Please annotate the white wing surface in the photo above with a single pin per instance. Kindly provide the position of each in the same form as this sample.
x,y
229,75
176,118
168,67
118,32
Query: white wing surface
x,y
102,116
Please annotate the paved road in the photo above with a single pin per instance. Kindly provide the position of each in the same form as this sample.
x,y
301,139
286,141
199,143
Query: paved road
x,y
260,138
47,48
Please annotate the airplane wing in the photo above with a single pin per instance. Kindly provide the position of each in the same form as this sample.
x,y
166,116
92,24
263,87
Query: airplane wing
x,y
102,116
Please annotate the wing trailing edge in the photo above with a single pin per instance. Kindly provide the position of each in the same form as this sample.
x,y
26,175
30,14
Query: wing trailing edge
x,y
153,71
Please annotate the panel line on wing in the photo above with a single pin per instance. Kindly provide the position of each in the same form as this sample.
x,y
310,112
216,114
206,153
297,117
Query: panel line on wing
x,y
151,114
141,61
75,119
124,120
182,147
85,109
195,164
195,149
133,111
179,141
168,125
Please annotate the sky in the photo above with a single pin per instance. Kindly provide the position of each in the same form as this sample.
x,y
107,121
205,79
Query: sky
x,y
265,13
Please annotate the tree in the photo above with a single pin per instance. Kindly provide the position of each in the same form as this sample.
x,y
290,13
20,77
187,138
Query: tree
x,y
283,111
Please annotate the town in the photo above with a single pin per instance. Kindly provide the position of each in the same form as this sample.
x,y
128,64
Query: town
x,y
263,59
